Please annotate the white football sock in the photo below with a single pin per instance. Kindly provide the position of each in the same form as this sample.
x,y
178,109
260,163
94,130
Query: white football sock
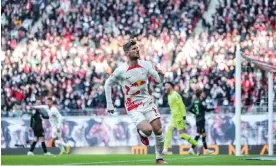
x,y
58,143
159,145
143,134
61,145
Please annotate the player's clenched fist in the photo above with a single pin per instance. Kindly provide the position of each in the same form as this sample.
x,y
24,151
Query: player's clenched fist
x,y
160,72
110,111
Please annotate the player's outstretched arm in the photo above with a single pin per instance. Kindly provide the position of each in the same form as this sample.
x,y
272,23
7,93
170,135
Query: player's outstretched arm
x,y
44,116
113,79
203,105
210,109
161,74
40,107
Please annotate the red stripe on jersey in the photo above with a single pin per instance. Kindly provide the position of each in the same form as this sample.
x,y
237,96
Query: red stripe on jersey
x,y
131,105
134,67
155,110
127,89
136,93
151,79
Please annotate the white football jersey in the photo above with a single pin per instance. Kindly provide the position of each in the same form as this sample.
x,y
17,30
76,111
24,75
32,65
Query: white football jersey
x,y
55,117
134,81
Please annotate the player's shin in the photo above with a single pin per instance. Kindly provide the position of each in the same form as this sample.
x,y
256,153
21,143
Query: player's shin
x,y
196,139
168,139
204,142
44,147
33,146
58,143
159,145
189,139
159,139
64,144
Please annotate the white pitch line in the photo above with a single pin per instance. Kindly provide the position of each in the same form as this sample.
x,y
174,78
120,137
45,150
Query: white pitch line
x,y
112,162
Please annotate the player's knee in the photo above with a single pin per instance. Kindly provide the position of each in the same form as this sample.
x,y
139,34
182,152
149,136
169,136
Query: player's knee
x,y
203,134
147,130
158,131
54,142
181,131
42,139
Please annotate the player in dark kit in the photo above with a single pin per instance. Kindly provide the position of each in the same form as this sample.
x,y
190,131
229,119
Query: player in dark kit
x,y
36,126
199,108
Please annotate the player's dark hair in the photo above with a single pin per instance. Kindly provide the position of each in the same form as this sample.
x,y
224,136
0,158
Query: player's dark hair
x,y
198,93
127,46
50,98
171,84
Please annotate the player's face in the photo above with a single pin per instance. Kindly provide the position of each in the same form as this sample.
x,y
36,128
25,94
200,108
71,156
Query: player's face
x,y
202,95
133,52
168,88
50,102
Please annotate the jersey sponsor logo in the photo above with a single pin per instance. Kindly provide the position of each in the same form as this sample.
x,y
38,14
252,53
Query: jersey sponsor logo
x,y
138,83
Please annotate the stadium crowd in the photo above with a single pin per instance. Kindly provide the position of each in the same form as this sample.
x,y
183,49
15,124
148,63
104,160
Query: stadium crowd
x,y
17,18
80,45
255,21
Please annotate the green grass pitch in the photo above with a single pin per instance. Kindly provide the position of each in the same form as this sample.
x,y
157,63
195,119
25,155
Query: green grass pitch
x,y
130,160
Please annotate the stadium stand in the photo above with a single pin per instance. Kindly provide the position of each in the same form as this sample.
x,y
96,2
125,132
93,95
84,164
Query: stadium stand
x,y
80,45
